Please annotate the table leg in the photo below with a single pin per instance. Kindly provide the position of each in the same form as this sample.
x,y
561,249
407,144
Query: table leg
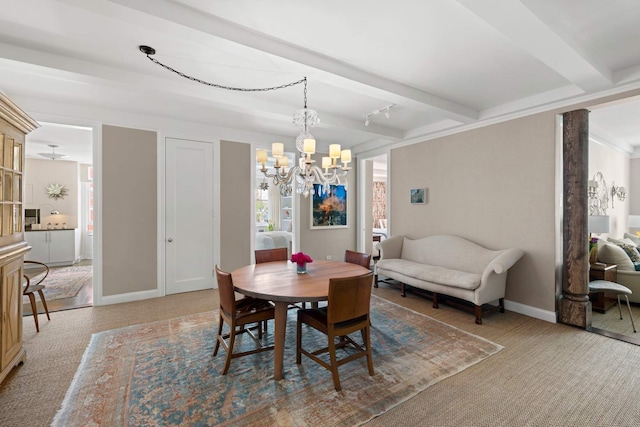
x,y
280,333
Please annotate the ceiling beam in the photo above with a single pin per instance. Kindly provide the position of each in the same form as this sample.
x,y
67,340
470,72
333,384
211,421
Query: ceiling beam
x,y
365,82
544,40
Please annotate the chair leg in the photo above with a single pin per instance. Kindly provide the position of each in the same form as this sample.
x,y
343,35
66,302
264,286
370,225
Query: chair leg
x,y
479,314
334,363
34,309
630,315
298,342
619,309
367,343
227,362
220,324
44,303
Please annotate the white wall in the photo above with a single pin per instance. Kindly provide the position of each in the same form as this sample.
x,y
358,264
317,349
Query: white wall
x,y
39,174
614,167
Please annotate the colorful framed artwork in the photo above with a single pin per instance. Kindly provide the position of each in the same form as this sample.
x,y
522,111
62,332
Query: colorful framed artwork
x,y
418,196
329,209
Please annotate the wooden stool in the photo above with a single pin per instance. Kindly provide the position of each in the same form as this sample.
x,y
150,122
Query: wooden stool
x,y
613,288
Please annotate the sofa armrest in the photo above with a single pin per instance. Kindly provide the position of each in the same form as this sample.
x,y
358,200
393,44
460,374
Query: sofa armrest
x,y
504,261
391,247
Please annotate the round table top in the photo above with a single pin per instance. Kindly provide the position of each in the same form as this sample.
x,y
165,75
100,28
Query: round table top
x,y
279,281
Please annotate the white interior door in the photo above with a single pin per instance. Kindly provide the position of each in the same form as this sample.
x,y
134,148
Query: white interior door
x,y
189,215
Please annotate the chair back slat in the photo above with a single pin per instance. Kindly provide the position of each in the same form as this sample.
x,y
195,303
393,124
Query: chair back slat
x,y
358,258
349,298
270,255
225,289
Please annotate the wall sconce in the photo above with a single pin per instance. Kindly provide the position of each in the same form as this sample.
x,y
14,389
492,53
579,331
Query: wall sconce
x,y
593,188
618,192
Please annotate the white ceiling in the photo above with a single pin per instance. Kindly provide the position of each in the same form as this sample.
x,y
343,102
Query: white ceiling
x,y
444,65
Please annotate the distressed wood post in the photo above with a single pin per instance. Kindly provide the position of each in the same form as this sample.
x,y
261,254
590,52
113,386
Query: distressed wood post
x,y
575,307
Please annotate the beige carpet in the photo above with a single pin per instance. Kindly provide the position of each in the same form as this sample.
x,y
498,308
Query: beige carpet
x,y
547,374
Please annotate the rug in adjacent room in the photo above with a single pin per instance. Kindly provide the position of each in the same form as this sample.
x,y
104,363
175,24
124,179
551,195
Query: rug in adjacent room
x,y
162,373
64,282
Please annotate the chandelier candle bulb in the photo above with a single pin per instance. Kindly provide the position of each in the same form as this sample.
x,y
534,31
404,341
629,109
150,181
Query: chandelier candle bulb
x,y
262,157
334,151
277,149
326,164
345,156
309,146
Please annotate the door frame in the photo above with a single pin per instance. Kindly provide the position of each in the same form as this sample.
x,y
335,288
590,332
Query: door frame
x,y
362,232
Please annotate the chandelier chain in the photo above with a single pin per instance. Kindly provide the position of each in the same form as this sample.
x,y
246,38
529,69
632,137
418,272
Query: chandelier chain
x,y
239,89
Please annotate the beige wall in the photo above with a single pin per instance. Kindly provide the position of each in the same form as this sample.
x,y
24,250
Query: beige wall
x,y
494,186
39,174
236,160
320,243
129,206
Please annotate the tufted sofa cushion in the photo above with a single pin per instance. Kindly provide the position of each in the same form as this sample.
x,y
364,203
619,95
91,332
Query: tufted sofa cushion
x,y
431,273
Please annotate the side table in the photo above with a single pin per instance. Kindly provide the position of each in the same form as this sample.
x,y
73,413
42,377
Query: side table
x,y
601,301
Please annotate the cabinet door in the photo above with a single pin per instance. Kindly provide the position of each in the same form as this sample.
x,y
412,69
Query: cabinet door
x,y
11,322
62,246
39,242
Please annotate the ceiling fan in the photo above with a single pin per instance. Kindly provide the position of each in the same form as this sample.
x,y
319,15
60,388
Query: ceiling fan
x,y
53,155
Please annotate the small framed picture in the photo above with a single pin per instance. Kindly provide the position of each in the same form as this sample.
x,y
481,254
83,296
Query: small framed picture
x,y
418,196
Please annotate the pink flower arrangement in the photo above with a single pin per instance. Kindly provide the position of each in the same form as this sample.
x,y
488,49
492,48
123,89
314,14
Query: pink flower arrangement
x,y
301,258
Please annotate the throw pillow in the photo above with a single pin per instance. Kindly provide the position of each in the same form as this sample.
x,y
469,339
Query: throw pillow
x,y
631,252
613,254
632,237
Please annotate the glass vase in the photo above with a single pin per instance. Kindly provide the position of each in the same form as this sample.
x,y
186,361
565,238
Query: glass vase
x,y
301,268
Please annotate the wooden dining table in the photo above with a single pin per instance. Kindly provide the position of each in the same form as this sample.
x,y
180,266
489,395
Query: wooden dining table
x,y
279,282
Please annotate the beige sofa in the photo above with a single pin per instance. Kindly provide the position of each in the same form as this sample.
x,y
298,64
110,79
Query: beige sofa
x,y
448,265
612,253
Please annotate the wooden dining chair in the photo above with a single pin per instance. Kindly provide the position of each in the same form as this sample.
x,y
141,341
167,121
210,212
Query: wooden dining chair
x,y
270,255
357,258
34,284
347,312
237,314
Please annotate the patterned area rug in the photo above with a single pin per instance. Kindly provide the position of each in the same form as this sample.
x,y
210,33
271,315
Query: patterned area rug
x,y
163,374
64,282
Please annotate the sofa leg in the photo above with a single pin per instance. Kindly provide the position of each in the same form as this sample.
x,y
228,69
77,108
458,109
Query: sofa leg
x,y
375,280
478,314
501,301
403,290
435,300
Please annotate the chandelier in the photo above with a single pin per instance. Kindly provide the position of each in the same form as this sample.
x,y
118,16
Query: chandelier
x,y
305,174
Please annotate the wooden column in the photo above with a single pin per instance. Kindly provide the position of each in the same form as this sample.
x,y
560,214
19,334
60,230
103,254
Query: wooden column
x,y
575,308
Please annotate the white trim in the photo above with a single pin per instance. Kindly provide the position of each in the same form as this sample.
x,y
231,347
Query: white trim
x,y
130,296
216,207
527,310
161,146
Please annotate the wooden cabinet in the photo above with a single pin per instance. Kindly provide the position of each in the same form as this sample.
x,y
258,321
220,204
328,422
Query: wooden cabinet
x,y
53,247
14,125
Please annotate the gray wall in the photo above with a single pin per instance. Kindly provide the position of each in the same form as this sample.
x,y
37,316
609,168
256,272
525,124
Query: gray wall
x,y
320,243
236,160
492,185
129,206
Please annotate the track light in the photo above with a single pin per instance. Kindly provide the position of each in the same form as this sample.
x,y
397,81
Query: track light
x,y
386,111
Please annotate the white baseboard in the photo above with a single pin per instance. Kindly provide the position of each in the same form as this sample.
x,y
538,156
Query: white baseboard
x,y
527,310
128,297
